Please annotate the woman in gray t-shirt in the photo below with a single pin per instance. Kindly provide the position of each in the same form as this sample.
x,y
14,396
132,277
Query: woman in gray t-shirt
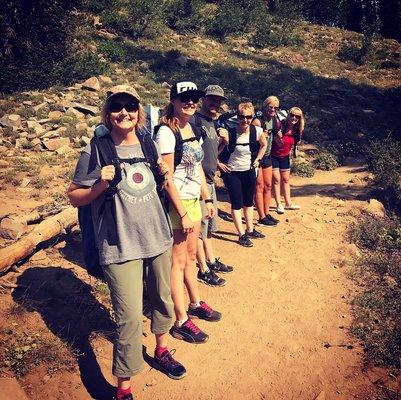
x,y
139,235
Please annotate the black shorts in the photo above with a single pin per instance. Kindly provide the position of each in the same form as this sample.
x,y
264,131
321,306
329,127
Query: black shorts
x,y
266,162
283,164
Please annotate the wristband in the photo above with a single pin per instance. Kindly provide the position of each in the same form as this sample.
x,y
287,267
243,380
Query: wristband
x,y
208,200
182,216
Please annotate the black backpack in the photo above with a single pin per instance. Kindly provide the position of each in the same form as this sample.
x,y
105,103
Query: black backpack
x,y
232,143
199,132
103,144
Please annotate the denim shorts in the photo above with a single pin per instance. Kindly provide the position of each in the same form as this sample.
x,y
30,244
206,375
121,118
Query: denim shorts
x,y
266,162
283,164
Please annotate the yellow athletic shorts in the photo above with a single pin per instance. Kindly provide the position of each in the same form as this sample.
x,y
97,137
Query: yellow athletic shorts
x,y
192,208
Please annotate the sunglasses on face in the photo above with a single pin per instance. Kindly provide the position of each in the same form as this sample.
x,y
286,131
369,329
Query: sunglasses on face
x,y
295,116
245,116
129,107
187,97
273,108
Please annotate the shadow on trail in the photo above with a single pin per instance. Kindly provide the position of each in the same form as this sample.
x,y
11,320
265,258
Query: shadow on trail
x,y
338,191
73,314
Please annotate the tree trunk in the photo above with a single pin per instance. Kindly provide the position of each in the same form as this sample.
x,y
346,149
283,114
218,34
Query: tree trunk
x,y
46,230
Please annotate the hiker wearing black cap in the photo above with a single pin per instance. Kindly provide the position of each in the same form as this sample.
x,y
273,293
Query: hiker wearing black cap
x,y
181,147
131,232
206,118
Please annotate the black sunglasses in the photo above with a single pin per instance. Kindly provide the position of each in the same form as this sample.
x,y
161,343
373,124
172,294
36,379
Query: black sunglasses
x,y
273,108
187,97
245,116
295,115
129,107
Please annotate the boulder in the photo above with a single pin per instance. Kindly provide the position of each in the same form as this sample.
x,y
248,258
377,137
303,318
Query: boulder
x,y
83,108
72,112
40,106
55,115
91,84
54,144
11,121
81,127
375,208
11,228
66,149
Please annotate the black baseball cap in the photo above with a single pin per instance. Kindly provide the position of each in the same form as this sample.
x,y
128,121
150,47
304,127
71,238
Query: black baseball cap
x,y
185,87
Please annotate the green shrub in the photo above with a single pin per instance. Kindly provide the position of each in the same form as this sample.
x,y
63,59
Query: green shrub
x,y
113,50
325,161
135,18
303,169
186,15
384,160
377,234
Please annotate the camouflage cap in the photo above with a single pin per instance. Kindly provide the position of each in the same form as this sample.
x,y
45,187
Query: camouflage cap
x,y
123,89
215,90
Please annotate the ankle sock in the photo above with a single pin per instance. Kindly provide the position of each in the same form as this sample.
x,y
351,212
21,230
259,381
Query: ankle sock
x,y
159,351
179,323
194,305
122,392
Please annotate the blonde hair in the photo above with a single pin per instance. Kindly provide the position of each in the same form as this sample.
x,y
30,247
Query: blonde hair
x,y
245,106
106,116
301,122
168,117
268,101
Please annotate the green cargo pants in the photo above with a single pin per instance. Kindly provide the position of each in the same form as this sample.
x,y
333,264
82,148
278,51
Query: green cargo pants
x,y
125,281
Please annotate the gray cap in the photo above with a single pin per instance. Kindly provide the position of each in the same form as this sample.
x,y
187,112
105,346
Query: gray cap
x,y
215,90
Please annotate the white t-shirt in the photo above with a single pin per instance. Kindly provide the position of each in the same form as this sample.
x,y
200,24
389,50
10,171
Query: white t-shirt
x,y
240,158
187,174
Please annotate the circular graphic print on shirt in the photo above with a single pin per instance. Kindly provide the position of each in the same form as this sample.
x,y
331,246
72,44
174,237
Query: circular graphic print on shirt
x,y
137,183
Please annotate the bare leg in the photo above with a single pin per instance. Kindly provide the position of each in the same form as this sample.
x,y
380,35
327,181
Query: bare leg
x,y
201,256
267,189
248,213
161,339
276,186
259,194
190,270
285,179
237,219
179,258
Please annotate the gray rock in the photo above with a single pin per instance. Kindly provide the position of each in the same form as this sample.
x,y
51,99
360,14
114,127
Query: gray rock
x,y
72,112
54,144
83,108
91,84
11,228
41,106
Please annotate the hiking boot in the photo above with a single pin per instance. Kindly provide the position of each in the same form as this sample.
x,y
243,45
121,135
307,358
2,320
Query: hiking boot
x,y
172,368
189,332
218,266
210,278
125,397
268,222
204,311
256,234
244,241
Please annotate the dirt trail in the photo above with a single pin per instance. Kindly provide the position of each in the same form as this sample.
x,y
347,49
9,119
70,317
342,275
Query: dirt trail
x,y
284,332
286,299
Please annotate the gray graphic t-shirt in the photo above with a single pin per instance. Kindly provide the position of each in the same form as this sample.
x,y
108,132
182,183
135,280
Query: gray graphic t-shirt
x,y
142,227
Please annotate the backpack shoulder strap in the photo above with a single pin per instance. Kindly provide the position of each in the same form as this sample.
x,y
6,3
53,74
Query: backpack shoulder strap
x,y
253,143
148,148
232,139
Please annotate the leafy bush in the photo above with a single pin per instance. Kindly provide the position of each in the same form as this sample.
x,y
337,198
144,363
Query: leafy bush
x,y
326,161
377,234
186,15
303,169
236,17
384,160
135,18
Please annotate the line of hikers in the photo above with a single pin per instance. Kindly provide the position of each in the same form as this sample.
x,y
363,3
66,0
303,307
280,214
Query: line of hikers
x,y
152,207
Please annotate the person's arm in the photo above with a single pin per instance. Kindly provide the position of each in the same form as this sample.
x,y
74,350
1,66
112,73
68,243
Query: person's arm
x,y
186,222
262,149
206,195
223,142
81,195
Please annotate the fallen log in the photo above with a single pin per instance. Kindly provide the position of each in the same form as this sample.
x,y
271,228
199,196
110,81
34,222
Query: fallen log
x,y
46,230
